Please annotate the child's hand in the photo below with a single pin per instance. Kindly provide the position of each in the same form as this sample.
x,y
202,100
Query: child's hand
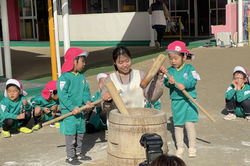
x,y
162,70
46,110
21,116
76,111
181,87
53,108
106,97
25,102
89,104
171,80
234,82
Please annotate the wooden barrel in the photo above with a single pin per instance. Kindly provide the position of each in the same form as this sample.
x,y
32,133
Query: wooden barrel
x,y
125,131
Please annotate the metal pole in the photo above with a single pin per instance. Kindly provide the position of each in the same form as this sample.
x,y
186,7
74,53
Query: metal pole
x,y
58,60
66,35
152,35
6,39
240,26
52,42
195,19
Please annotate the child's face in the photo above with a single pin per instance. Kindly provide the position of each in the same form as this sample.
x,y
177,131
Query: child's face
x,y
176,60
123,63
54,96
79,65
239,79
101,82
13,93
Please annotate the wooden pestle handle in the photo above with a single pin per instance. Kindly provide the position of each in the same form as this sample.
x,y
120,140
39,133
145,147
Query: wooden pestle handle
x,y
68,114
193,100
153,71
116,98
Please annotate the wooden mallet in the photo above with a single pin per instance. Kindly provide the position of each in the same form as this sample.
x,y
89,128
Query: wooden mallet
x,y
193,100
153,71
68,114
116,97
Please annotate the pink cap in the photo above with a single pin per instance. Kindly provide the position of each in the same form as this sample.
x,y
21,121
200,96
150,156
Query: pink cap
x,y
177,47
18,84
69,58
50,86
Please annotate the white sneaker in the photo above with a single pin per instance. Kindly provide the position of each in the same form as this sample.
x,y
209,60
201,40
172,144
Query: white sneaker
x,y
179,152
230,116
247,118
191,152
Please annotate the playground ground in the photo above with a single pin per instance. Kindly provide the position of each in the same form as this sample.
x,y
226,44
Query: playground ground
x,y
224,143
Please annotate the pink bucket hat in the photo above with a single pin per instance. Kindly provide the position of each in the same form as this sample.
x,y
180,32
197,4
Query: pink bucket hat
x,y
69,58
239,68
50,86
177,47
18,84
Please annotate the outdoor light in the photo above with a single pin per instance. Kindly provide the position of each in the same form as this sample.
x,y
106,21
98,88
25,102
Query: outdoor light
x,y
152,143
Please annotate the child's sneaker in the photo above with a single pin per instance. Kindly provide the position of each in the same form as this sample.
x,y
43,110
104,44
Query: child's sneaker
x,y
179,152
230,116
80,156
36,127
5,134
191,152
25,130
73,161
57,125
248,118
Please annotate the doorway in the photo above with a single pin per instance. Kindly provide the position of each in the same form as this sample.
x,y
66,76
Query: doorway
x,y
28,19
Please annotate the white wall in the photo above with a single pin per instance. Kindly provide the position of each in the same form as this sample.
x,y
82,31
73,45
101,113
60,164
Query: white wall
x,y
108,27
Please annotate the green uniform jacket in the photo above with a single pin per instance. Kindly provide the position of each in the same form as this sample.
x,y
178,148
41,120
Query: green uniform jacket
x,y
156,105
96,120
239,96
40,101
182,108
73,91
186,76
10,109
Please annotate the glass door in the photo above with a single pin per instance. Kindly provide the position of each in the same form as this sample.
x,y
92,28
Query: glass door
x,y
181,8
28,19
217,13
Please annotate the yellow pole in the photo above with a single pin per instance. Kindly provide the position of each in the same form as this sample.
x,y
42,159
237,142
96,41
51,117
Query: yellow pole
x,y
52,42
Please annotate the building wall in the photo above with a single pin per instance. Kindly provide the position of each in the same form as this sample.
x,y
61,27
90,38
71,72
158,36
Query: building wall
x,y
108,27
13,18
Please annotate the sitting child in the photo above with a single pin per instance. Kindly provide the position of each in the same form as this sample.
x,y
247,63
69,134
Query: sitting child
x,y
238,95
98,121
15,110
46,105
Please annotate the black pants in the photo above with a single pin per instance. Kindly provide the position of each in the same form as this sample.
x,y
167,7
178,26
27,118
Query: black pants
x,y
9,123
231,106
160,33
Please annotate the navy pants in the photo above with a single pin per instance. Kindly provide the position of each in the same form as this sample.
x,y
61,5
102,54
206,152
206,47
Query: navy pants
x,y
231,106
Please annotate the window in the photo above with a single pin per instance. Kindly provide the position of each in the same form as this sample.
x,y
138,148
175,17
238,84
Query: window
x,y
128,5
110,6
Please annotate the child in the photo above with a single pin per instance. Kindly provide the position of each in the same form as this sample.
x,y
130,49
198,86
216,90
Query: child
x,y
98,121
156,105
73,92
15,110
238,95
184,111
46,105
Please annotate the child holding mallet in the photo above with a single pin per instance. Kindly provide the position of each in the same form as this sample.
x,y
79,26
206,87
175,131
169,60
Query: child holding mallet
x,y
184,111
73,92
